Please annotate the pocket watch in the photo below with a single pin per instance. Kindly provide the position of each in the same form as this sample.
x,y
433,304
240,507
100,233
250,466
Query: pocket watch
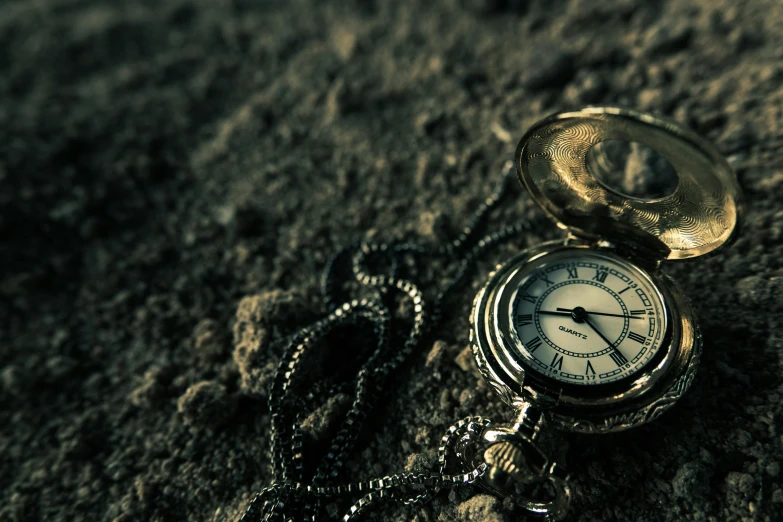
x,y
589,334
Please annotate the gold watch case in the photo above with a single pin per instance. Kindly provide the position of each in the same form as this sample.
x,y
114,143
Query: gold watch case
x,y
700,216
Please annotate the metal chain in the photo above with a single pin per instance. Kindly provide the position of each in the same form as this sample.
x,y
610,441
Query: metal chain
x,y
288,498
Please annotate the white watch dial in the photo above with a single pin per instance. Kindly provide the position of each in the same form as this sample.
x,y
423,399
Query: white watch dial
x,y
587,318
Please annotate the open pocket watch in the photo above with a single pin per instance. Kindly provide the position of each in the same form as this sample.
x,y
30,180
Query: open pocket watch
x,y
589,334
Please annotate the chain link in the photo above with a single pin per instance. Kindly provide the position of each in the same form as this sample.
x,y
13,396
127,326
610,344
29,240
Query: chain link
x,y
288,498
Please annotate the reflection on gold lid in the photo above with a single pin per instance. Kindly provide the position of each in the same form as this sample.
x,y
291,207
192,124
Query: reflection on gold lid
x,y
697,218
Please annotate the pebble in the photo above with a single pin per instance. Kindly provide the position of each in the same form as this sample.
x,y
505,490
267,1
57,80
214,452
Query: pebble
x,y
320,422
423,436
427,123
445,400
741,40
465,360
667,38
548,67
737,137
270,306
742,438
418,463
206,404
486,508
692,480
252,335
250,352
761,292
650,99
344,42
152,387
436,354
433,226
588,87
12,380
466,398
769,184
742,483
58,367
208,340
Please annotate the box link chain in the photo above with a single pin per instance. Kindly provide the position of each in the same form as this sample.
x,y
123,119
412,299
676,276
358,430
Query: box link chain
x,y
288,498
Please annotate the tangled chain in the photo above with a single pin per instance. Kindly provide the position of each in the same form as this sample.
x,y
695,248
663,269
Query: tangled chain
x,y
289,498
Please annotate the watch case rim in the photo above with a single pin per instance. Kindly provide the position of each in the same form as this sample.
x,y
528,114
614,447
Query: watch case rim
x,y
631,403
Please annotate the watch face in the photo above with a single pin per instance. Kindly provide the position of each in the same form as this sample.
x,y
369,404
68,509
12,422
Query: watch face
x,y
587,318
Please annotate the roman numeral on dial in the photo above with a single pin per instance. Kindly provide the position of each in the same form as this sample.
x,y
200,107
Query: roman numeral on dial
x,y
524,319
529,298
557,362
638,312
600,276
618,358
533,344
589,370
637,337
542,276
572,273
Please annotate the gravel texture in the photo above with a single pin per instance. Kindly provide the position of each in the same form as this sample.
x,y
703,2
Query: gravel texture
x,y
176,173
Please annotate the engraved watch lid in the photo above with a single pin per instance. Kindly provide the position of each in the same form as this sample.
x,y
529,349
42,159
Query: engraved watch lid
x,y
697,218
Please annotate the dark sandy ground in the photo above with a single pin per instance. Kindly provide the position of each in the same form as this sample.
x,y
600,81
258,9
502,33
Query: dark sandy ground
x,y
170,168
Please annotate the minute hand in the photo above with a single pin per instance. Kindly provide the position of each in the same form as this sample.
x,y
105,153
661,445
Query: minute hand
x,y
602,313
607,341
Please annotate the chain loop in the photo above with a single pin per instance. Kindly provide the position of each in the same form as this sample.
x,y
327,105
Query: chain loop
x,y
288,497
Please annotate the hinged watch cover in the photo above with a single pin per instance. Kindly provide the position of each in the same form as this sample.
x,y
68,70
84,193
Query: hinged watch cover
x,y
697,218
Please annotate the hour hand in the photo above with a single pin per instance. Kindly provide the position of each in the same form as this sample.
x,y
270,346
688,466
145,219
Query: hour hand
x,y
563,310
549,312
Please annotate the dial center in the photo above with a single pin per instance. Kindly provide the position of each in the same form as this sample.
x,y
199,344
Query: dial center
x,y
579,314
